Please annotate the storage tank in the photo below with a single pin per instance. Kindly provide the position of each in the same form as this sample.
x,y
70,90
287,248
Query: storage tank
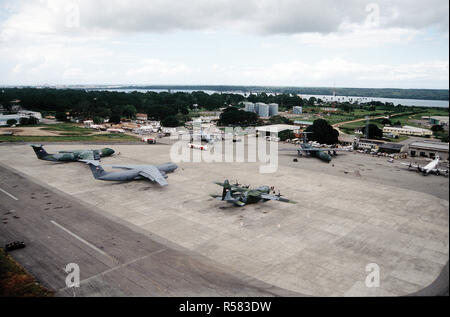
x,y
297,110
273,109
257,106
263,109
249,106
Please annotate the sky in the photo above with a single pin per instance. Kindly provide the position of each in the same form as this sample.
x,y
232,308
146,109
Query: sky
x,y
321,43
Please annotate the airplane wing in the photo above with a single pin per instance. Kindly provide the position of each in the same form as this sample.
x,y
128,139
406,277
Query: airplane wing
x,y
92,162
153,174
412,165
229,199
124,167
441,171
278,198
325,149
86,155
234,188
286,150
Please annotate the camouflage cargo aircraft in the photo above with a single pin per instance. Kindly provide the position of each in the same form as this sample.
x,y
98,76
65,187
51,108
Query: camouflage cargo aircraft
x,y
243,195
71,156
154,173
324,154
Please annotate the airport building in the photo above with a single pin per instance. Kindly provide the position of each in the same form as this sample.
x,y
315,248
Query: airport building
x,y
407,130
19,115
368,144
439,120
391,148
303,124
141,116
269,130
429,149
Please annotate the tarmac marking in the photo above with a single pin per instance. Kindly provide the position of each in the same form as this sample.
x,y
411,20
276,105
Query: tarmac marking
x,y
79,238
119,267
6,193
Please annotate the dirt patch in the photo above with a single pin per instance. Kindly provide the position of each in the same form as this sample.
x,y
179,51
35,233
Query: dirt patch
x,y
38,131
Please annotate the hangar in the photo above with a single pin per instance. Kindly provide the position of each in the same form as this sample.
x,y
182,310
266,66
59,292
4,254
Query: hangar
x,y
429,149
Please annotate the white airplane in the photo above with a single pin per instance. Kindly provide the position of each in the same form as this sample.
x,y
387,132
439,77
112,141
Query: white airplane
x,y
431,167
206,137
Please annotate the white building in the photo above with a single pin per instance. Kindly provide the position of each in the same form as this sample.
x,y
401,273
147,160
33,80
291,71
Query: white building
x,y
19,115
297,110
29,114
407,130
429,149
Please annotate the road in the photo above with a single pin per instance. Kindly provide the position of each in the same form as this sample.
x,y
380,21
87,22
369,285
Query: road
x,y
115,258
337,125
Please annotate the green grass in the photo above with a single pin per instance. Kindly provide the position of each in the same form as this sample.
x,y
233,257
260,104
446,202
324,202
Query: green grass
x,y
67,128
16,282
70,138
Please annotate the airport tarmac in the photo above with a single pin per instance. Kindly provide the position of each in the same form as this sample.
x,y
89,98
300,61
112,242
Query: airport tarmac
x,y
361,210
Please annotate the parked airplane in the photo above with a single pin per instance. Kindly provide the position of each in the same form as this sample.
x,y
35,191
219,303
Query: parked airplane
x,y
154,173
205,137
431,167
324,154
243,195
71,156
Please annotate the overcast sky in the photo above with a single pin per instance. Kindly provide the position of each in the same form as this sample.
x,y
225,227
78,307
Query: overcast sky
x,y
346,43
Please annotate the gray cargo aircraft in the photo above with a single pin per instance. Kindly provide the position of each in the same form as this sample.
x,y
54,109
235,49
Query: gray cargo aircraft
x,y
154,173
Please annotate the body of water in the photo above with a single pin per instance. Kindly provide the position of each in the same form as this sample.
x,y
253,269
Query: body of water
x,y
404,102
395,101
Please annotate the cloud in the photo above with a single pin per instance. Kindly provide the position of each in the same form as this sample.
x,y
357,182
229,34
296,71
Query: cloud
x,y
247,16
344,72
114,42
152,69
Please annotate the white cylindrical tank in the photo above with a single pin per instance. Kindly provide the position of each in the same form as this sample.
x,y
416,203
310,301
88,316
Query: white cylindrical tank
x,y
249,106
273,109
263,110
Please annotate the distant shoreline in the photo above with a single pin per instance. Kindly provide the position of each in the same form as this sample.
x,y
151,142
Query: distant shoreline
x,y
389,93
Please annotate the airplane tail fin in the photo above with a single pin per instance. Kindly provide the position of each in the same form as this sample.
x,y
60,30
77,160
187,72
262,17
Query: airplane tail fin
x,y
39,150
226,189
96,169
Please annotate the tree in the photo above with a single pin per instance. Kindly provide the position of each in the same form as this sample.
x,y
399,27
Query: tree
x,y
437,128
285,134
61,116
115,118
32,121
170,121
235,117
23,121
374,131
279,120
386,122
98,120
323,132
311,101
129,111
11,122
398,123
